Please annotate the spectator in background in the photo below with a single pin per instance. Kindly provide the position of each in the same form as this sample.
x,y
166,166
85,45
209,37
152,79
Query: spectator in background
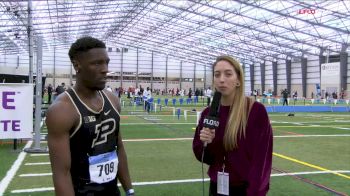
x,y
255,93
341,94
120,92
182,93
285,95
190,93
60,89
295,96
147,95
196,93
208,94
109,89
49,93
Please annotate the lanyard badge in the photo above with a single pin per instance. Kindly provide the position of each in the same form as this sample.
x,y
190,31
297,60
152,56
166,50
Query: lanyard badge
x,y
223,182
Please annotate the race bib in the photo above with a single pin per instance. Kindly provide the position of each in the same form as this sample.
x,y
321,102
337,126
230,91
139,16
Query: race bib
x,y
104,167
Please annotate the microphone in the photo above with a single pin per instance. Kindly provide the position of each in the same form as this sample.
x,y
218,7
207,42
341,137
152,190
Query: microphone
x,y
211,121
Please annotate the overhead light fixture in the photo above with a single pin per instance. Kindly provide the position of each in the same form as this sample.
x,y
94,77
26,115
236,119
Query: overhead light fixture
x,y
289,58
274,60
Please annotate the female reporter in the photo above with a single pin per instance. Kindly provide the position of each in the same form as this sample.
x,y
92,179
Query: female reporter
x,y
240,149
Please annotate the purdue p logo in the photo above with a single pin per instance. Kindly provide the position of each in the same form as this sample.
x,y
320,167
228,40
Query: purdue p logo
x,y
102,131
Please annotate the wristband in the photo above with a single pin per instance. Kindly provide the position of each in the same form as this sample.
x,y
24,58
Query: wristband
x,y
130,192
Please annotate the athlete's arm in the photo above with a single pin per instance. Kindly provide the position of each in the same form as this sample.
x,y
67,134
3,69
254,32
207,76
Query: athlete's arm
x,y
123,170
59,120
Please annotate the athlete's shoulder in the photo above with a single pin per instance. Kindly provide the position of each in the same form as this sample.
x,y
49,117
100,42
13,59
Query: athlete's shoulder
x,y
113,99
62,102
61,113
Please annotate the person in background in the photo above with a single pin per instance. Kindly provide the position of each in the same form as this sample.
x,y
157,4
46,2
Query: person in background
x,y
85,144
109,89
208,94
240,150
49,93
295,96
60,89
255,93
190,93
147,94
285,95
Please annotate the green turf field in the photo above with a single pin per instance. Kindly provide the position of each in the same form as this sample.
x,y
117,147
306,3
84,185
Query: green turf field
x,y
315,147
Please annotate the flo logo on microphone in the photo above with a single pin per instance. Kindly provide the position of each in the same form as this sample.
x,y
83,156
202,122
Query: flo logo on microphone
x,y
211,122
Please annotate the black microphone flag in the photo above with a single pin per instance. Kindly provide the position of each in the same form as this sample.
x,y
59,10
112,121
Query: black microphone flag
x,y
211,121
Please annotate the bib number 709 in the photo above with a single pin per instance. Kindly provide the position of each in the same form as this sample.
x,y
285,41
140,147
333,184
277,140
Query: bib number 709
x,y
103,168
106,168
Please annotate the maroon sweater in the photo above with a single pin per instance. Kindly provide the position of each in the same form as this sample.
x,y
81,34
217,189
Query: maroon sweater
x,y
251,163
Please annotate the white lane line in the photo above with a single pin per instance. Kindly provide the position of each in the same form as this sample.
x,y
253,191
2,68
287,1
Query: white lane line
x,y
159,123
145,114
33,190
194,180
39,163
308,173
169,182
157,139
341,128
39,155
35,175
297,123
290,136
182,139
182,181
14,168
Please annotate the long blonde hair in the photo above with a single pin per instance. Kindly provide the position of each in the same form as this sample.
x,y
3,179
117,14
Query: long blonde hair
x,y
239,110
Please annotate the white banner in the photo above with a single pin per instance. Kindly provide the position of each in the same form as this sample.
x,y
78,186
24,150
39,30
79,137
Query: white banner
x,y
330,77
16,116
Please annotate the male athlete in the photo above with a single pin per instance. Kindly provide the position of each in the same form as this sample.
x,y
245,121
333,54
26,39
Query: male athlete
x,y
86,149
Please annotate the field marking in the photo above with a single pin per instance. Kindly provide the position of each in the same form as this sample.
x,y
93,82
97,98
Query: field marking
x,y
183,181
14,168
150,115
341,128
39,163
39,155
310,165
290,136
157,139
160,123
309,126
182,139
35,175
33,190
289,132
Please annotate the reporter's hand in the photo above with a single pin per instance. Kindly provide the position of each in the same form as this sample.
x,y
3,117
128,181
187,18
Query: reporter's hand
x,y
207,135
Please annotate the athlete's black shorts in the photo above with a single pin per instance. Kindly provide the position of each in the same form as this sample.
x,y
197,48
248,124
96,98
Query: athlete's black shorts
x,y
93,189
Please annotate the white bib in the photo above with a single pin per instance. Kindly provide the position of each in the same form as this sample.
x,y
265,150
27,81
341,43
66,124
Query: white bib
x,y
104,167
